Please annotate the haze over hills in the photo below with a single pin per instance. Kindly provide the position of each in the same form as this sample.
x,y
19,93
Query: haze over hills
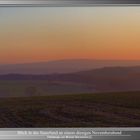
x,y
63,66
69,77
96,80
105,79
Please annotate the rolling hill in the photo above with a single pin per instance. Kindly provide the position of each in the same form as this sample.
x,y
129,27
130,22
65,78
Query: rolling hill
x,y
97,80
62,66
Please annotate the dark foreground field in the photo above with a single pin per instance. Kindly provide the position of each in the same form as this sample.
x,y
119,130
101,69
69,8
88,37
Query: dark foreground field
x,y
84,110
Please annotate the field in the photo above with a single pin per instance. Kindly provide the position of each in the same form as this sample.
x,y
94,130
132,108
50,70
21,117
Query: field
x,y
81,110
23,88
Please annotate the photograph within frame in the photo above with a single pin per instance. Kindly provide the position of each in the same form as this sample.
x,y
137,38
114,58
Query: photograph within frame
x,y
69,67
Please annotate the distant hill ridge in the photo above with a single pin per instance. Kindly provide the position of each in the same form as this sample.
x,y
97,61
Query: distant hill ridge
x,y
98,72
63,66
101,79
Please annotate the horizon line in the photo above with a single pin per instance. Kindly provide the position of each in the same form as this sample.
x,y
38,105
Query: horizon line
x,y
67,59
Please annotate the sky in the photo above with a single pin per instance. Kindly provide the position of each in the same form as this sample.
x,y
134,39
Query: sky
x,y
34,34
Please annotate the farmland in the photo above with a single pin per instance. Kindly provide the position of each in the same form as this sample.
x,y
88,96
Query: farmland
x,y
118,109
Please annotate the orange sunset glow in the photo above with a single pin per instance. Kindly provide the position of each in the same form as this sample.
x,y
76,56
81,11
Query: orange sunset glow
x,y
43,34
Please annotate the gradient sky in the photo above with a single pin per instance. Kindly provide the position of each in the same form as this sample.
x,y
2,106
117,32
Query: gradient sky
x,y
49,33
